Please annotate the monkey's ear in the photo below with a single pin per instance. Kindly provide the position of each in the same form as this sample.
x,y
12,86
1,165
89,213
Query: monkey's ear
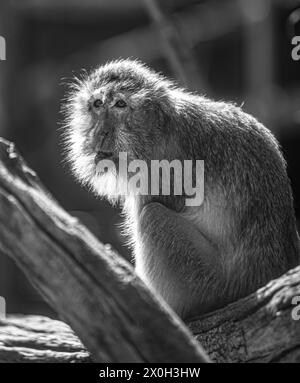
x,y
154,99
139,99
161,96
166,105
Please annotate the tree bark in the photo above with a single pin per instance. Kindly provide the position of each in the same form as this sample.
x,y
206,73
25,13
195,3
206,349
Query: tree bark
x,y
258,328
263,327
39,339
92,288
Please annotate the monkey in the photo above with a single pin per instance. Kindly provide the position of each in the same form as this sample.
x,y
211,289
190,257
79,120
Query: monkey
x,y
197,258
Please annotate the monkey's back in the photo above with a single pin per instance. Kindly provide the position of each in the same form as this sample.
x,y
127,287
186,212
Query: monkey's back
x,y
246,180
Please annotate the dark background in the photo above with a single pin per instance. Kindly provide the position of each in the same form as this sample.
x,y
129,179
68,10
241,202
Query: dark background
x,y
237,50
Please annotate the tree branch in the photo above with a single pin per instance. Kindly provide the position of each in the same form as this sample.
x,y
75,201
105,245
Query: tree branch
x,y
258,328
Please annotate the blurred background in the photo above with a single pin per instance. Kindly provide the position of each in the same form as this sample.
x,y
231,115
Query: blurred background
x,y
237,50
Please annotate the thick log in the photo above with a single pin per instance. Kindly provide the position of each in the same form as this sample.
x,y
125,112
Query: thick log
x,y
92,288
39,339
263,327
259,328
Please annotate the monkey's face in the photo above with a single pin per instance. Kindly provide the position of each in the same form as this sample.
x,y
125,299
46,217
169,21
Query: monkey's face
x,y
115,109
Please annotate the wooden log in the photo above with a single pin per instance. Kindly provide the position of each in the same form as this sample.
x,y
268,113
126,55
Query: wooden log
x,y
258,328
39,339
92,288
262,327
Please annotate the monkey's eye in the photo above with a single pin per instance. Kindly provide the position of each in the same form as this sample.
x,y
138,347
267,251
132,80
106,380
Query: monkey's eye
x,y
97,103
120,104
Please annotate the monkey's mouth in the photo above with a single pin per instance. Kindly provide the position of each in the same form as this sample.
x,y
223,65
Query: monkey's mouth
x,y
103,155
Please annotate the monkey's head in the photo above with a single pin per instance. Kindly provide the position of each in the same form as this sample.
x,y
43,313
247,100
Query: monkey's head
x,y
120,107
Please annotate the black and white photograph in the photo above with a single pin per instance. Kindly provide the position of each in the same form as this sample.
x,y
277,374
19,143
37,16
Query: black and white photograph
x,y
149,186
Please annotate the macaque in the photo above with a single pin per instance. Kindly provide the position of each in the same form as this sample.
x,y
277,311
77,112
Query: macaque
x,y
198,258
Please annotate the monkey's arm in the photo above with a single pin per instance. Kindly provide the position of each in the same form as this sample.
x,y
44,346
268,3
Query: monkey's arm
x,y
182,262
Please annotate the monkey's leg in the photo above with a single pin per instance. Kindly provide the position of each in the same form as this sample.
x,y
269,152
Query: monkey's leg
x,y
177,260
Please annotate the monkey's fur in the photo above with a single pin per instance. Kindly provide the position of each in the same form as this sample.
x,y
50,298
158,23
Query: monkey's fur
x,y
197,258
